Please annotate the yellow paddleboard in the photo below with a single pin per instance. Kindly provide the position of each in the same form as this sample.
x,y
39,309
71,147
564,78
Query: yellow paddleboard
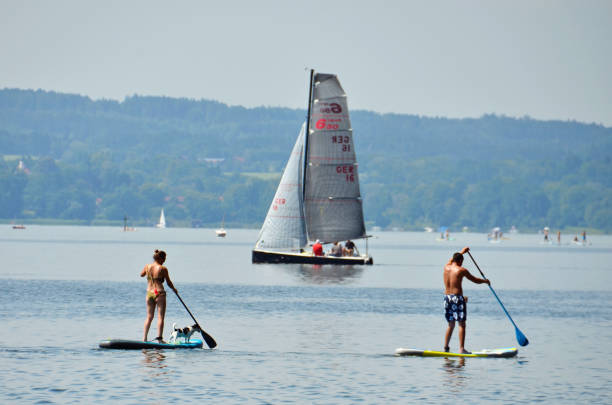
x,y
505,352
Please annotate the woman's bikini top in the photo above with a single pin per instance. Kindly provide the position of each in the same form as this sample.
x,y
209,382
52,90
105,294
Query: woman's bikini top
x,y
154,279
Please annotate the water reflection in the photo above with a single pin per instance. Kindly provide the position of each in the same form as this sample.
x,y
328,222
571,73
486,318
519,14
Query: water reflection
x,y
155,360
326,273
454,372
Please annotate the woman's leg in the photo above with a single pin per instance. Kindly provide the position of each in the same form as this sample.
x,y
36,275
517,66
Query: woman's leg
x,y
149,319
161,314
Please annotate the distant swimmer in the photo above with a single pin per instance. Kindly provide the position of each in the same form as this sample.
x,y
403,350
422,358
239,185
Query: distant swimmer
x,y
559,237
455,304
583,236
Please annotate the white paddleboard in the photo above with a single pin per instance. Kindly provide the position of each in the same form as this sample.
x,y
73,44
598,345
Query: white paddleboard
x,y
505,352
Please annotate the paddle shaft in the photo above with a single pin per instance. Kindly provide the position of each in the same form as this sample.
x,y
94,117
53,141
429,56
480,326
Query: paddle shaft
x,y
209,339
492,290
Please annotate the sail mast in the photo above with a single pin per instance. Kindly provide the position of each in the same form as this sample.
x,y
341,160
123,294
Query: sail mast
x,y
307,134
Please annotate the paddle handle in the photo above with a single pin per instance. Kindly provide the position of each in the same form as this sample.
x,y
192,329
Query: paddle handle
x,y
491,288
182,302
476,264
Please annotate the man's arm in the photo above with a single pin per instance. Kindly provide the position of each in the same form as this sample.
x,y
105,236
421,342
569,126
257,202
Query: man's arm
x,y
476,280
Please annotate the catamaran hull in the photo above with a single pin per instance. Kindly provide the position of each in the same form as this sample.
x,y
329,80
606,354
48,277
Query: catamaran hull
x,y
262,256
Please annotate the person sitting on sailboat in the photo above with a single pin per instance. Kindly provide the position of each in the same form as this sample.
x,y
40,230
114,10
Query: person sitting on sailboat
x,y
349,248
317,248
336,249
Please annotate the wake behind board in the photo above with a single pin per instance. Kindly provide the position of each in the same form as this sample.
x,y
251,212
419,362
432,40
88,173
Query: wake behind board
x,y
505,352
124,344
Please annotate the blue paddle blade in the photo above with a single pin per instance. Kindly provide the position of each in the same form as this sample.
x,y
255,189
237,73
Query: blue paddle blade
x,y
521,339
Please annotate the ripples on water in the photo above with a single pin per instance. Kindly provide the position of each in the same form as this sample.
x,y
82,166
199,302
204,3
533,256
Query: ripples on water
x,y
326,336
296,344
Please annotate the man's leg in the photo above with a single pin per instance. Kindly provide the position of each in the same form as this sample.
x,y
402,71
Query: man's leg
x,y
447,336
462,338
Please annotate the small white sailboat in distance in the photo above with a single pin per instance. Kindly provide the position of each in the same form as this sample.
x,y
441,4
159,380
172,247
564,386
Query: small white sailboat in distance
x,y
162,220
221,232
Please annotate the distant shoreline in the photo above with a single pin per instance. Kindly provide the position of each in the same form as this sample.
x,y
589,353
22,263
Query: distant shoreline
x,y
187,225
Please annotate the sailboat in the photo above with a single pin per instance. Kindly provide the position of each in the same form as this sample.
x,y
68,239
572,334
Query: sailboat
x,y
318,196
221,232
162,220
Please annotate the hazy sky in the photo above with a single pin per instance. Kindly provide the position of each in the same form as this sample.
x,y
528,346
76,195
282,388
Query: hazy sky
x,y
545,59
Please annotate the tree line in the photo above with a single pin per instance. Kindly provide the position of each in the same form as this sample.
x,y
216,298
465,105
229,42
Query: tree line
x,y
102,160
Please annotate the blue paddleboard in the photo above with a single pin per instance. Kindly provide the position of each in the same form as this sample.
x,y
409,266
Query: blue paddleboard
x,y
124,344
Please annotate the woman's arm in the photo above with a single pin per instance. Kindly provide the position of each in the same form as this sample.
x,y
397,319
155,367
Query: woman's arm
x,y
144,271
168,281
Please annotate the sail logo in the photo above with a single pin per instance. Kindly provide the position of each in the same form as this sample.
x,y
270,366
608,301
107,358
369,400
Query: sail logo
x,y
327,108
277,202
331,124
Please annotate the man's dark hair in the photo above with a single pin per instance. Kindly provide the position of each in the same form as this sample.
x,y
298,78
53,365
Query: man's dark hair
x,y
458,258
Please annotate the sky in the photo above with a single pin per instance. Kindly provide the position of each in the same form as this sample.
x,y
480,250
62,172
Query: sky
x,y
543,59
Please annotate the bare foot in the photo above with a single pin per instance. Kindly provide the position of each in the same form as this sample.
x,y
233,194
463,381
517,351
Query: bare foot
x,y
463,351
446,349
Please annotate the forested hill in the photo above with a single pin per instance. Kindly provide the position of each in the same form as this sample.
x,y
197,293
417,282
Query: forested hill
x,y
102,160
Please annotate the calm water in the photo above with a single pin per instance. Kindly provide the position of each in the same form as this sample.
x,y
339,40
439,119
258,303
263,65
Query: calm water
x,y
290,333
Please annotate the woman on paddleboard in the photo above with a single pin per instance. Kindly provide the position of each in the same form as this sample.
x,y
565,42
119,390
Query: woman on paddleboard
x,y
156,274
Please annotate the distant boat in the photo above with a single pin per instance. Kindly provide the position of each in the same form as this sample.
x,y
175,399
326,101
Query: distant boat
x,y
221,232
495,236
162,220
318,197
19,227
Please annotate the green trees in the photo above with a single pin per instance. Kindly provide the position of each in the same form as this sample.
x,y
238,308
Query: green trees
x,y
202,160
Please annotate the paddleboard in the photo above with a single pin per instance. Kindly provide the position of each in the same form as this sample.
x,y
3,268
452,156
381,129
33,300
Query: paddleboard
x,y
124,344
505,352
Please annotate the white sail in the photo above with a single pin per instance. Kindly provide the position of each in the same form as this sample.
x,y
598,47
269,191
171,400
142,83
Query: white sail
x,y
332,200
318,196
283,228
162,220
221,232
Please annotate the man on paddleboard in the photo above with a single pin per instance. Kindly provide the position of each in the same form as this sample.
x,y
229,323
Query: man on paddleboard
x,y
455,304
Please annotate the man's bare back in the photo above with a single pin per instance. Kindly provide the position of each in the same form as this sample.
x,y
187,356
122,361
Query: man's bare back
x,y
454,274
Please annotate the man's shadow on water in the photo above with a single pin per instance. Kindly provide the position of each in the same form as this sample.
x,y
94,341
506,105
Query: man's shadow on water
x,y
454,370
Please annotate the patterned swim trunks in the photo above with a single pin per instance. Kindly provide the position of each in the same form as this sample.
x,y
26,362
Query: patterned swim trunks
x,y
455,308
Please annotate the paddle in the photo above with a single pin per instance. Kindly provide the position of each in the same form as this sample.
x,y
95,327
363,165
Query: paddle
x,y
207,338
521,339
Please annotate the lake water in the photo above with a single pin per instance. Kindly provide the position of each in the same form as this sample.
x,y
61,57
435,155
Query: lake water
x,y
297,333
